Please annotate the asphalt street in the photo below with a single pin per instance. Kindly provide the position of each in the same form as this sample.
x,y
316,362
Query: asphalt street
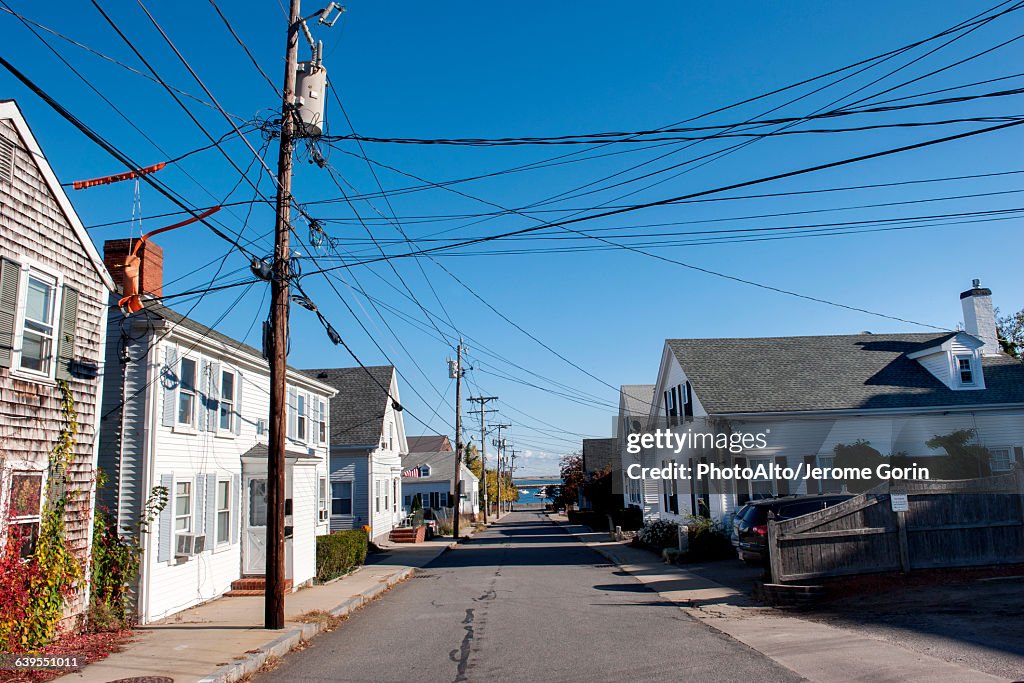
x,y
524,601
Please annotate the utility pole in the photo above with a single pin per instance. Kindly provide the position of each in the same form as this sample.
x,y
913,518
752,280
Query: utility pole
x,y
483,400
511,475
455,372
273,616
500,445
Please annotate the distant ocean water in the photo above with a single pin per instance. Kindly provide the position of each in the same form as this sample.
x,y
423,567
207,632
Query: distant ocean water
x,y
529,495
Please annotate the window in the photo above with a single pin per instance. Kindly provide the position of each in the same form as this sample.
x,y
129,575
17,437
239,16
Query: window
x,y
424,470
24,509
391,436
301,424
258,502
183,506
763,486
227,401
829,485
965,367
37,333
187,392
322,412
321,500
341,498
384,485
999,459
376,495
394,495
223,511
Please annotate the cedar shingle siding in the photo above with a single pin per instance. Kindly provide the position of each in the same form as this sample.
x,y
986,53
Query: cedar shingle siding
x,y
33,226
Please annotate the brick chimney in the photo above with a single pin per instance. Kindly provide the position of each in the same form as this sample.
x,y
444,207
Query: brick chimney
x,y
151,270
980,318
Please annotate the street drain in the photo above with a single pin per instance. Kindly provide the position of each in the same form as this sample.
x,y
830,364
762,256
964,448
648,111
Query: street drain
x,y
424,576
145,679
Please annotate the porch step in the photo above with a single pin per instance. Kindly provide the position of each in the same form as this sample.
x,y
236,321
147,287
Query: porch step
x,y
254,585
408,535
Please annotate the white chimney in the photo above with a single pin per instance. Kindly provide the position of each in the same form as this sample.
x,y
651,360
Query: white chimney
x,y
980,318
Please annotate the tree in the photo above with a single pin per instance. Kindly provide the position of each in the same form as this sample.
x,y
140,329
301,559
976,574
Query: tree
x,y
963,460
571,470
1010,330
859,454
598,490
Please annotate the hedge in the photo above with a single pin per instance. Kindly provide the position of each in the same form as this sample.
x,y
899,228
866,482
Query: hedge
x,y
339,553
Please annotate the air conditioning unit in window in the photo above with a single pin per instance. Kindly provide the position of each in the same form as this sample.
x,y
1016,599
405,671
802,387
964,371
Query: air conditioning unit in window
x,y
187,545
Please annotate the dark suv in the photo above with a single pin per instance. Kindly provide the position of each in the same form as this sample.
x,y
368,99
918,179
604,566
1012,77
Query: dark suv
x,y
750,526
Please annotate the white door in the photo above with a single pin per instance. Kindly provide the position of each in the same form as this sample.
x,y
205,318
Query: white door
x,y
254,544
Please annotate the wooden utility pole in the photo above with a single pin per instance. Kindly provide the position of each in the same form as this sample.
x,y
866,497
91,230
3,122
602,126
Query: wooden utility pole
x,y
458,441
273,613
482,400
500,445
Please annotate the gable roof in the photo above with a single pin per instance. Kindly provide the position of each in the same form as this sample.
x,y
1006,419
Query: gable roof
x,y
9,110
155,308
358,409
637,398
441,463
840,372
429,443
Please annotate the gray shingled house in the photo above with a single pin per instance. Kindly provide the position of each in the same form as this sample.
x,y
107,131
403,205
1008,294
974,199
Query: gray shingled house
x,y
53,295
807,395
367,441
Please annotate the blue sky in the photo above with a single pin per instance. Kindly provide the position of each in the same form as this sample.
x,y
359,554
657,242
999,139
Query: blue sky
x,y
458,69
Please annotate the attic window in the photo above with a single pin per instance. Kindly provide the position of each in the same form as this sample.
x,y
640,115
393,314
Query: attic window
x,y
424,470
965,367
6,160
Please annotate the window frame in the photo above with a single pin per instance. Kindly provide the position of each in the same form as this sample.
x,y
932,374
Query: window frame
x,y
178,515
226,511
376,496
24,520
30,269
339,499
301,417
323,506
221,402
322,425
1009,458
773,486
973,381
192,393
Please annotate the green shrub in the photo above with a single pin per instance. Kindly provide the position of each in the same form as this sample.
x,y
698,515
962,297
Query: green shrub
x,y
339,553
709,540
659,533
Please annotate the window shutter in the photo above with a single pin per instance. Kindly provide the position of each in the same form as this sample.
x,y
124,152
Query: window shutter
x,y
67,330
293,412
236,506
211,510
813,485
780,463
170,382
238,402
6,160
10,280
203,409
199,503
742,486
213,414
1018,455
166,521
314,407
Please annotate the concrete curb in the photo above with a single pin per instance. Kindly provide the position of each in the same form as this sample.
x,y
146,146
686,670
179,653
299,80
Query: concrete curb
x,y
295,635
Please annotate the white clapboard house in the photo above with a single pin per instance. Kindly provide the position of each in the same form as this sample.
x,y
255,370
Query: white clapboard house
x,y
185,408
809,394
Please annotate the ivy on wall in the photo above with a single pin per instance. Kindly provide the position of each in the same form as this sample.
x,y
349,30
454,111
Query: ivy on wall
x,y
34,591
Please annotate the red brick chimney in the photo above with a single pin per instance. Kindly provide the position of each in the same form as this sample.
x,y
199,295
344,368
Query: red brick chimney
x,y
151,270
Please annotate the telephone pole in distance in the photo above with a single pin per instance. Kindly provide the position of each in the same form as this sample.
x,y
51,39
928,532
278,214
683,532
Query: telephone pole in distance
x,y
456,372
483,400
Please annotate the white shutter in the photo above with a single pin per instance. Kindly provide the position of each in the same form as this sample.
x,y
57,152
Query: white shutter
x,y
170,381
238,403
214,397
165,523
211,510
293,412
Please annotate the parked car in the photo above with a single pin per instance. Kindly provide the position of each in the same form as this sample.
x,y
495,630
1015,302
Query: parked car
x,y
750,526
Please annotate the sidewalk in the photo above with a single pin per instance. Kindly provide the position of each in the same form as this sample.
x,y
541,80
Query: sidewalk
x,y
222,640
818,652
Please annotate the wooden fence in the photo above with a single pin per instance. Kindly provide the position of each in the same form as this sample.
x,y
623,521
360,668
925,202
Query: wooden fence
x,y
946,524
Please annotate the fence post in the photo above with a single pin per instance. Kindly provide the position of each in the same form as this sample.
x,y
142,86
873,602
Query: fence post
x,y
901,525
774,554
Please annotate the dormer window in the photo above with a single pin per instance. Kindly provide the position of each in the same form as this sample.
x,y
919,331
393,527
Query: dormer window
x,y
424,470
965,369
